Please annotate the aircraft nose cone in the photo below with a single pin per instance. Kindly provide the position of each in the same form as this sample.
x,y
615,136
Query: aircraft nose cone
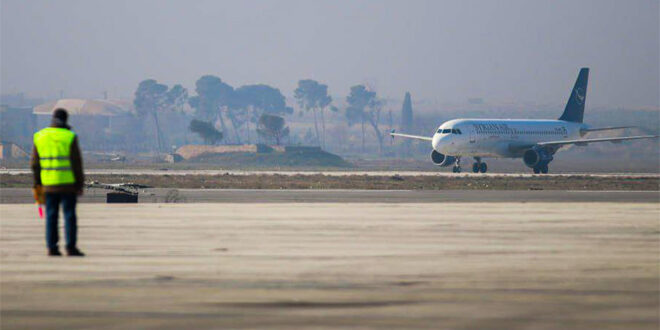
x,y
436,141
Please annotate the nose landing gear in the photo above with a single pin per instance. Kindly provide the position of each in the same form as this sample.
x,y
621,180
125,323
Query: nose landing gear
x,y
479,166
457,166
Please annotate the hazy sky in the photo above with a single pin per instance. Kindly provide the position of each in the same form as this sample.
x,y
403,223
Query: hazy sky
x,y
443,51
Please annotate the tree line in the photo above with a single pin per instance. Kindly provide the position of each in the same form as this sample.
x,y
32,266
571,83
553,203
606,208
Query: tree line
x,y
257,108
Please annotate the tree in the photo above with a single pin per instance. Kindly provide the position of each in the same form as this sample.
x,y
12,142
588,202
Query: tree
x,y
176,98
238,117
213,96
271,127
406,121
150,98
256,100
206,131
314,96
364,107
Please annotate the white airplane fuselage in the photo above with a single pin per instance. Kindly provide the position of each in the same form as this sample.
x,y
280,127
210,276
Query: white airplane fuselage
x,y
497,138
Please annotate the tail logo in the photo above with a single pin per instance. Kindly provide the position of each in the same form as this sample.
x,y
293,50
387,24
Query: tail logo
x,y
579,95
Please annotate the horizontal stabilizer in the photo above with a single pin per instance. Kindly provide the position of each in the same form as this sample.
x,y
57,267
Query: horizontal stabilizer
x,y
587,130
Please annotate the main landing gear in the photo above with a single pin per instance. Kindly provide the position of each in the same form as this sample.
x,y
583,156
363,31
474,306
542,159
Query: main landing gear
x,y
541,169
479,166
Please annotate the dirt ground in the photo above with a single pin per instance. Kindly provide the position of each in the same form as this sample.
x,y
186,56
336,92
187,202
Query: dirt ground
x,y
374,182
434,265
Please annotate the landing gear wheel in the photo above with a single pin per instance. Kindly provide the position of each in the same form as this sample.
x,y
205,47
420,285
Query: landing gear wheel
x,y
537,170
544,169
457,165
483,167
475,167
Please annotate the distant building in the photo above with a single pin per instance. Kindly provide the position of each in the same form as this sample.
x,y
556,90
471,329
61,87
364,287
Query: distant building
x,y
83,110
113,125
102,124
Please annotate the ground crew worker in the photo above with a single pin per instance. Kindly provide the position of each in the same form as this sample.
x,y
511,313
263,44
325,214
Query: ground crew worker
x,y
57,167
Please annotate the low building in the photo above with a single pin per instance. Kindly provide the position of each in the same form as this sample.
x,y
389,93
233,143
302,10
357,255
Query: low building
x,y
101,124
114,126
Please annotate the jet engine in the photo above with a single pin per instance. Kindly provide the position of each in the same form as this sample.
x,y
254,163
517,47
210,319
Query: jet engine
x,y
537,157
442,160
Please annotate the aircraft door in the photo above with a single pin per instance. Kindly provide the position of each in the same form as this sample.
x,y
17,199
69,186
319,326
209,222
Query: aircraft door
x,y
473,138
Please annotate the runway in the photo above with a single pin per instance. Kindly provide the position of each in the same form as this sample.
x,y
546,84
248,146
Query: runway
x,y
337,173
337,265
24,195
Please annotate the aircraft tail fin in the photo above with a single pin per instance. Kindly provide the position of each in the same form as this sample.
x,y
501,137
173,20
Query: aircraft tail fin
x,y
574,110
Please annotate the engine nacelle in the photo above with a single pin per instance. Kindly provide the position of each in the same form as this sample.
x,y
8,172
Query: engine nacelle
x,y
537,157
442,160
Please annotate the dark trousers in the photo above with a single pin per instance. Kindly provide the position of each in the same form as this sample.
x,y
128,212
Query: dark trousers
x,y
68,201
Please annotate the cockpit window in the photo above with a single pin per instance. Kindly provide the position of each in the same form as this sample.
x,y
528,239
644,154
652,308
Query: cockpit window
x,y
449,131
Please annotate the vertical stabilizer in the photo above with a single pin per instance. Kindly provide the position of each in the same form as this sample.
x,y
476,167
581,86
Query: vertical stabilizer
x,y
574,110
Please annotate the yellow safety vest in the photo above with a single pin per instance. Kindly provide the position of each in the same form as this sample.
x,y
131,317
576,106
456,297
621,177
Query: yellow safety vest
x,y
54,147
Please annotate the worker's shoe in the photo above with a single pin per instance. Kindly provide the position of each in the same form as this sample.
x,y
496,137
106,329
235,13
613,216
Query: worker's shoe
x,y
54,252
74,252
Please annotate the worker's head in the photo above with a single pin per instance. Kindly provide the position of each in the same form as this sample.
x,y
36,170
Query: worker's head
x,y
60,117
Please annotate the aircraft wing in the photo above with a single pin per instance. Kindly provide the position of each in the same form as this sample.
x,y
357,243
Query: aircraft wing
x,y
587,141
417,137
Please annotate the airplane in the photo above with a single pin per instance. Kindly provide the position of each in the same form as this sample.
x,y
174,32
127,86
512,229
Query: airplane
x,y
535,141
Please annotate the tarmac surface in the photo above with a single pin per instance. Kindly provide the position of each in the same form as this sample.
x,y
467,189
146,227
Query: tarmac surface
x,y
335,173
338,265
24,195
